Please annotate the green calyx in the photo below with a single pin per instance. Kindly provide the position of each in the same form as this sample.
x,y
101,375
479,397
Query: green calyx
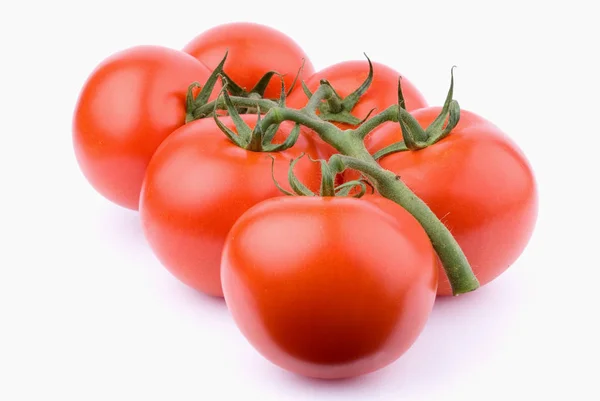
x,y
338,109
328,187
193,104
257,139
258,91
247,102
414,136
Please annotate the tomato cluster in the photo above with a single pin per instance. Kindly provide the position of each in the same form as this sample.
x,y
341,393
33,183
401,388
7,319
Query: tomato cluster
x,y
323,279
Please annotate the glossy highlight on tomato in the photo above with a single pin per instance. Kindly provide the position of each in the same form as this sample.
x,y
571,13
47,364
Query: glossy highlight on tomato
x,y
329,287
478,182
130,103
199,183
253,50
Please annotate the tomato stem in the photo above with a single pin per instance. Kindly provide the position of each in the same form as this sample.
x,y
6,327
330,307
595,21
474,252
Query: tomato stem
x,y
354,155
316,100
388,150
219,104
334,102
389,114
456,265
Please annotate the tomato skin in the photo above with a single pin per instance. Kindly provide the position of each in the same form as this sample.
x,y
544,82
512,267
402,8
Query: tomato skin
x,y
329,287
197,184
478,182
129,104
249,59
347,76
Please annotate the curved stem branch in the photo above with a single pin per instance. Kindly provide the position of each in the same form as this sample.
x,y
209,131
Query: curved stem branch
x,y
389,114
264,104
333,99
389,185
326,130
324,92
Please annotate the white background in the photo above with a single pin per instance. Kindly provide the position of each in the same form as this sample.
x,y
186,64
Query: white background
x,y
87,312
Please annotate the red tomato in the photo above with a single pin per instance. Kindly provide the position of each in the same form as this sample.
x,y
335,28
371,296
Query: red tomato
x,y
329,287
478,182
198,184
347,76
253,51
127,107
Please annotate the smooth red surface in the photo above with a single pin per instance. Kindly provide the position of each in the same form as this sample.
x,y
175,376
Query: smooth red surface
x,y
254,50
347,76
478,182
198,184
130,103
329,287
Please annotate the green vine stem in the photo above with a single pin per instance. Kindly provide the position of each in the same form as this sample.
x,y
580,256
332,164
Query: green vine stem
x,y
354,155
389,185
349,143
219,104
